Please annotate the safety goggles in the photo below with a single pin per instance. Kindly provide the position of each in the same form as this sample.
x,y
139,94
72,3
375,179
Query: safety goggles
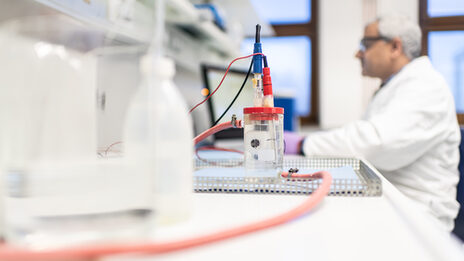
x,y
367,42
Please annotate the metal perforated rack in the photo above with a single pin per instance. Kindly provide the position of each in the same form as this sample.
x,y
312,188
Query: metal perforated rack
x,y
367,183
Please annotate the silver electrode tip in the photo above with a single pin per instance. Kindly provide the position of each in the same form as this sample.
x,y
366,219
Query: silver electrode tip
x,y
234,120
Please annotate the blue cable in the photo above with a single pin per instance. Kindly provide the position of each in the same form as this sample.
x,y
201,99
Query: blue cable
x,y
257,59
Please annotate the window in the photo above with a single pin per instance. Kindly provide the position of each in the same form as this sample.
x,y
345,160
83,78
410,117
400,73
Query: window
x,y
284,12
442,23
444,8
292,53
288,74
446,51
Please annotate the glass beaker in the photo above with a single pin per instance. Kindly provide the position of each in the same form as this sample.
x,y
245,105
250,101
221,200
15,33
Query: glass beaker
x,y
263,138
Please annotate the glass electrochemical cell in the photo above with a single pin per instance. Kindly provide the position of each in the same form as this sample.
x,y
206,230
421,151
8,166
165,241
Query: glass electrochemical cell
x,y
263,139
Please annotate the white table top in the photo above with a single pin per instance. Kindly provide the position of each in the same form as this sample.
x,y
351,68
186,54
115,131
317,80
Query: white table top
x,y
388,227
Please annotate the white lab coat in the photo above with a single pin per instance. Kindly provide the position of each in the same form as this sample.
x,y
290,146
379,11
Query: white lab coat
x,y
410,134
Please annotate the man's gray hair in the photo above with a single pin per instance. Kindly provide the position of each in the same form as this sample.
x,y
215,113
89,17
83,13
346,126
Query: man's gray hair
x,y
401,26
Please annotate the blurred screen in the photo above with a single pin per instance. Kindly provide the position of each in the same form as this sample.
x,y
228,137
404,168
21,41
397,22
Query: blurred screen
x,y
219,102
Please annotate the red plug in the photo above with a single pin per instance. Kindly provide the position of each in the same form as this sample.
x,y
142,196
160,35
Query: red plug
x,y
267,82
267,85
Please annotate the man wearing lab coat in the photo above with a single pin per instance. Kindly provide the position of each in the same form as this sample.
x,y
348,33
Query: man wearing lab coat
x,y
409,131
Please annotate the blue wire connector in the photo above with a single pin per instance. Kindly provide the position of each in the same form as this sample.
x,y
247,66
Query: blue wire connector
x,y
257,59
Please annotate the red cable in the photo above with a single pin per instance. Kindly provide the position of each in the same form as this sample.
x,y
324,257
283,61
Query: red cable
x,y
223,77
217,128
79,253
109,147
299,176
75,253
219,149
267,82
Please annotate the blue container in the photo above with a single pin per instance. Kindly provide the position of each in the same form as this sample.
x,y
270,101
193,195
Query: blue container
x,y
288,103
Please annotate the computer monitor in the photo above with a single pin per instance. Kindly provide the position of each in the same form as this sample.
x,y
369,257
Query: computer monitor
x,y
219,102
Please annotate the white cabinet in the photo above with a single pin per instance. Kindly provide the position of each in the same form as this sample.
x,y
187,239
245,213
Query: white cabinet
x,y
190,40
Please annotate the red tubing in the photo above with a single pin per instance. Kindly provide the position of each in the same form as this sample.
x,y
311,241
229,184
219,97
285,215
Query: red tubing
x,y
80,253
300,176
267,82
8,253
217,128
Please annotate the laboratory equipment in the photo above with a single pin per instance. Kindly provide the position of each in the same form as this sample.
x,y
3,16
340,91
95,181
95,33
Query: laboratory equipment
x,y
57,193
263,123
257,70
263,141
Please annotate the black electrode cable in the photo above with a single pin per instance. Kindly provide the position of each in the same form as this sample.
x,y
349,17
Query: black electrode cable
x,y
236,96
258,33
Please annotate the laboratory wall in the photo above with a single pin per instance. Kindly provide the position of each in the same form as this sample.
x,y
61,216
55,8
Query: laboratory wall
x,y
117,81
406,7
343,93
340,28
190,84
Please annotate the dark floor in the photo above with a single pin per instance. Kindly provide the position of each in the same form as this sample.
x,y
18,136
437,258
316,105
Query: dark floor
x,y
459,222
459,225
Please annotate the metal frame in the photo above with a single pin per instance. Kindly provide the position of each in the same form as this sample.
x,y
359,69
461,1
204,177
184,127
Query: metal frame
x,y
367,184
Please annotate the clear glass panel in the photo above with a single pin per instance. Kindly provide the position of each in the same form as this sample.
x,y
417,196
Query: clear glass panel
x,y
440,8
289,58
446,50
283,12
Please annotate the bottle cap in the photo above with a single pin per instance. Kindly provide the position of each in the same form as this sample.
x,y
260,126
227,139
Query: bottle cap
x,y
270,110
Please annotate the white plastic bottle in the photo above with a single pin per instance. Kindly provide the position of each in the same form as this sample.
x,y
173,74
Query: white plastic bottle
x,y
159,139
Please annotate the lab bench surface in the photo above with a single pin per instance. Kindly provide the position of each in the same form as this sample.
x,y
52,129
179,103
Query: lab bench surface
x,y
389,227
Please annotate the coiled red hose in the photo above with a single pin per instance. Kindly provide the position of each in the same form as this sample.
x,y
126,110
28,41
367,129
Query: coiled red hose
x,y
81,253
9,253
217,128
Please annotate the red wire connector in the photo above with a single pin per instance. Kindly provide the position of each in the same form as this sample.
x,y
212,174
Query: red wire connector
x,y
267,82
267,85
